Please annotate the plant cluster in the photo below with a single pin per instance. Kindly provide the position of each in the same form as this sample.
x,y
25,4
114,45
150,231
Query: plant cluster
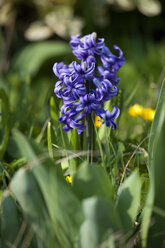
x,y
51,193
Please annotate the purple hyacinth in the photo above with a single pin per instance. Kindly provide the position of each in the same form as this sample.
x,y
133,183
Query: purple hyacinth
x,y
71,119
85,86
87,47
108,117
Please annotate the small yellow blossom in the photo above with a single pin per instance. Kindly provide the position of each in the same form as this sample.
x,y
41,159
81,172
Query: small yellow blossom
x,y
68,179
98,121
148,114
135,110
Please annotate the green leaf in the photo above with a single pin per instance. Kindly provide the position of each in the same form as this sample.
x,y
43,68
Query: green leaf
x,y
5,122
155,123
63,206
101,217
30,59
128,200
154,235
157,230
92,180
28,194
29,197
10,221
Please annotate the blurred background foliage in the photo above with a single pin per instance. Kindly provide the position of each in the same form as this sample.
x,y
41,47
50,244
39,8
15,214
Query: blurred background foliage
x,y
34,35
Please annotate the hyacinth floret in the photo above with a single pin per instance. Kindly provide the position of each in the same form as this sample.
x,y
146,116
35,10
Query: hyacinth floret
x,y
86,86
87,47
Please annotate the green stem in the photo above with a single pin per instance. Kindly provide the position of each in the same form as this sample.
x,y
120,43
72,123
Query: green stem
x,y
89,133
89,138
92,137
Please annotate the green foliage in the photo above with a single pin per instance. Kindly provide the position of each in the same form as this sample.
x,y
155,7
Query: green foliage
x,y
43,194
92,180
127,203
100,217
10,221
33,56
153,234
49,205
157,124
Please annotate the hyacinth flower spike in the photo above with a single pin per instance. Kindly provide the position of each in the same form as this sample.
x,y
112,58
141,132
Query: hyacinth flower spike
x,y
86,86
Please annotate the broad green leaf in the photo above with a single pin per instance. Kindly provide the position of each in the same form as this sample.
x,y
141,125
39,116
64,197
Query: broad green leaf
x,y
156,235
34,153
5,122
10,221
28,194
101,217
155,204
155,123
128,200
92,180
30,59
63,206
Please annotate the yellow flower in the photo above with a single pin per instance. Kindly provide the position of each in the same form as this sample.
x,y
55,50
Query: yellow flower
x,y
98,121
135,110
148,114
68,179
